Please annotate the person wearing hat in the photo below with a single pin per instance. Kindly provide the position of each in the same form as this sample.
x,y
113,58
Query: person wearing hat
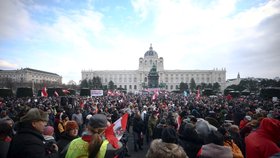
x,y
71,133
60,126
29,141
93,143
158,129
152,122
48,134
245,120
161,149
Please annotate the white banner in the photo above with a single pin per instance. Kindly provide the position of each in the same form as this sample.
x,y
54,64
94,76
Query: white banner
x,y
95,93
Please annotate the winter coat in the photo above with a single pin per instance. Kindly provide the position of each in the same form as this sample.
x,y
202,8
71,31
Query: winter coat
x,y
263,142
64,140
151,124
190,141
214,151
79,148
138,125
158,130
234,148
4,147
28,143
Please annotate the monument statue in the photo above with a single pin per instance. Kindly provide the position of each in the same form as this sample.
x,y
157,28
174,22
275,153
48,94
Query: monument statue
x,y
153,78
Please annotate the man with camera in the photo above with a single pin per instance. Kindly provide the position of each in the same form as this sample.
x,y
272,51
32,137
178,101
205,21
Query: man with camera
x,y
29,141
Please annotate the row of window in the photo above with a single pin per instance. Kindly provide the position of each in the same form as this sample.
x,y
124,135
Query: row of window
x,y
129,87
172,80
33,76
88,75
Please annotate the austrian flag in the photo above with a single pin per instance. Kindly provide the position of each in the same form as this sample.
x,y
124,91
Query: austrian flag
x,y
115,132
155,96
56,94
44,92
65,91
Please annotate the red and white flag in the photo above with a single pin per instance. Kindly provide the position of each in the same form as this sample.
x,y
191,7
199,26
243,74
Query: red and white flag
x,y
110,93
65,91
198,95
155,96
124,96
117,93
115,132
56,94
44,92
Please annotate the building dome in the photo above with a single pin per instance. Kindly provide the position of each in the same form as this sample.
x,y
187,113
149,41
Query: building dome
x,y
151,52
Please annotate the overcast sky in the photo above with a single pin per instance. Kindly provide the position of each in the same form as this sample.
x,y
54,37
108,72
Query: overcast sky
x,y
68,36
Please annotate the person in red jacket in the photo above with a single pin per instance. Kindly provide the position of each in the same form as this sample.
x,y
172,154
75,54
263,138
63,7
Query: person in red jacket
x,y
263,142
245,121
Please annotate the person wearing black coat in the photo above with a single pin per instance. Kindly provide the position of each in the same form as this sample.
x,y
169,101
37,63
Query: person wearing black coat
x,y
29,141
5,139
158,129
138,126
71,133
190,140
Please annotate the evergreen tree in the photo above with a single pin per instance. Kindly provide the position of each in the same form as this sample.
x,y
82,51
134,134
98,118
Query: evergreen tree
x,y
111,85
203,85
210,86
84,83
192,85
216,86
183,86
96,83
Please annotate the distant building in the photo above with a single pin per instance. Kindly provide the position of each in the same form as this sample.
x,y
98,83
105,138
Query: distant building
x,y
31,75
234,81
136,80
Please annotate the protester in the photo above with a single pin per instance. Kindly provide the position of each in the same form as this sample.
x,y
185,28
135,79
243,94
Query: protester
x,y
29,141
235,135
263,142
152,122
214,147
93,143
189,139
71,133
169,135
78,117
48,134
5,139
60,125
228,141
138,128
160,149
158,129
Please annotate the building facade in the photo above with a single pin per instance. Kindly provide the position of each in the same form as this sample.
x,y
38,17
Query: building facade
x,y
137,80
234,81
31,75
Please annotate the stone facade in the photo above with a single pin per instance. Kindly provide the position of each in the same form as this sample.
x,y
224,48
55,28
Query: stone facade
x,y
136,80
235,81
31,75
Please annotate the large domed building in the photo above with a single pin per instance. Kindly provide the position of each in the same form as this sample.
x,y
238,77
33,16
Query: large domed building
x,y
137,80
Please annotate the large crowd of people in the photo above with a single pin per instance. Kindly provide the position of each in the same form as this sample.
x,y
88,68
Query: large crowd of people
x,y
173,125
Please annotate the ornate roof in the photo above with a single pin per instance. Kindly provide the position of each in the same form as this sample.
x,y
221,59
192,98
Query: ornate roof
x,y
151,52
